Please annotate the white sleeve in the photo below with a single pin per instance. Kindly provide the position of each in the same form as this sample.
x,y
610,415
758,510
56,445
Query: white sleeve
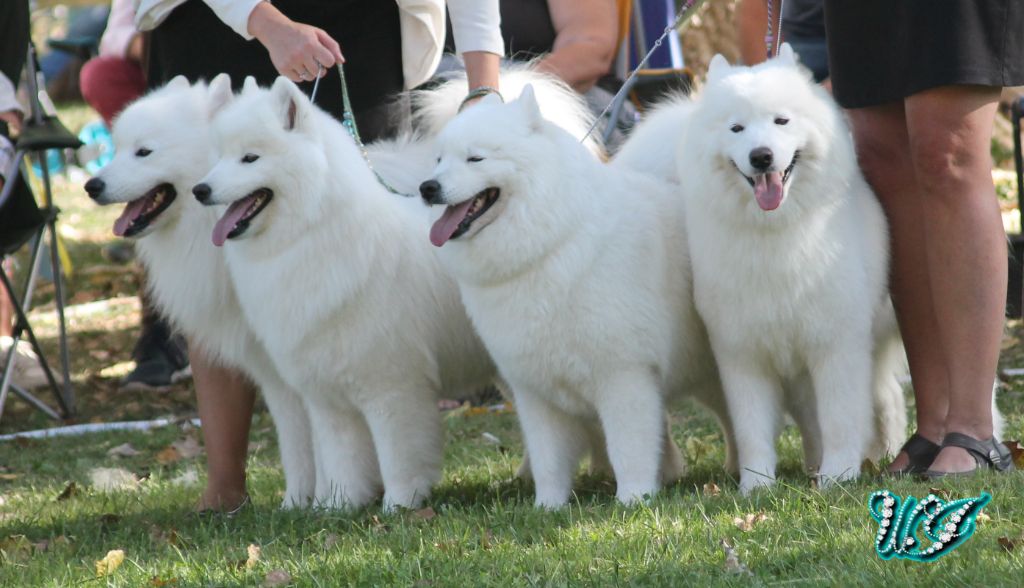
x,y
235,13
8,99
476,25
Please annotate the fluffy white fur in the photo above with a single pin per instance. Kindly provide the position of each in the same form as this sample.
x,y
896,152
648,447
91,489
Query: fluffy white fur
x,y
337,279
795,299
576,278
187,275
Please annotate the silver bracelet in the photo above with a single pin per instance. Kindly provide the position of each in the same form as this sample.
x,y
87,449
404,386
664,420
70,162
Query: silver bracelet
x,y
478,92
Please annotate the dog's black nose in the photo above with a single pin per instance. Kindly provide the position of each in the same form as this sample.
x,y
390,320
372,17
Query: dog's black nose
x,y
431,191
95,187
202,192
761,158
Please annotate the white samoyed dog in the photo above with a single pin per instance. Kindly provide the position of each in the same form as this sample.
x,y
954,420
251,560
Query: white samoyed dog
x,y
575,274
162,150
790,269
338,279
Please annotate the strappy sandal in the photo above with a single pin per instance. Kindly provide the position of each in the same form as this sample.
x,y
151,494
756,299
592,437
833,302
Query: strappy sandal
x,y
227,514
990,454
921,453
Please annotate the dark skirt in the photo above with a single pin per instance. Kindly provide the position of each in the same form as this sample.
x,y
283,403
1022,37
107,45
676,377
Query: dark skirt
x,y
882,51
193,42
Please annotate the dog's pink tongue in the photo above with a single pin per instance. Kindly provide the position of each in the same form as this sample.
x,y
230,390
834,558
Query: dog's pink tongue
x,y
131,212
768,190
446,226
229,221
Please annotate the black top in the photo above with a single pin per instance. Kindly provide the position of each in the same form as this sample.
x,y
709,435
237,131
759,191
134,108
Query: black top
x,y
804,19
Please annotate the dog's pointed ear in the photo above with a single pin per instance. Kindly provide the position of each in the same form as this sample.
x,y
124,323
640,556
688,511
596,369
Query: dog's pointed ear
x,y
786,55
718,67
528,103
179,82
219,93
250,84
293,105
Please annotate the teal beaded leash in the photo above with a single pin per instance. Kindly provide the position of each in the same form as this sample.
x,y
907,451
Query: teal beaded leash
x,y
348,120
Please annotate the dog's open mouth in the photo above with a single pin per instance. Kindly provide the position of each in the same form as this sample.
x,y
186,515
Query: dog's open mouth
x,y
139,213
238,216
769,188
458,218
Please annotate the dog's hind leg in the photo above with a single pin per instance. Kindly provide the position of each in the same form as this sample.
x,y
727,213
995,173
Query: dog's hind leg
x,y
555,442
406,429
842,383
294,440
633,415
347,472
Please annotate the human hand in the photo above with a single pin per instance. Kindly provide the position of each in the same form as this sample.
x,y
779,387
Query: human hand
x,y
296,50
13,119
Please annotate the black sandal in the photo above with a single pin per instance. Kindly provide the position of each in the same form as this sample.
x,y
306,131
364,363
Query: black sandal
x,y
921,452
989,454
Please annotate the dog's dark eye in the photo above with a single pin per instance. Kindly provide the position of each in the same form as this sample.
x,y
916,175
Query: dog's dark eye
x,y
142,152
474,159
736,128
250,157
781,120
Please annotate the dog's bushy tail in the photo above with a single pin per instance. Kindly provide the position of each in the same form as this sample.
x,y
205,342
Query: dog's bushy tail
x,y
890,403
559,103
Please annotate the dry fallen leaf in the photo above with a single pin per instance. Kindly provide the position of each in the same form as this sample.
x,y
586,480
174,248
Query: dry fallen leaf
x,y
123,450
332,539
69,491
9,477
982,518
1017,451
188,477
490,438
749,520
158,582
167,455
276,578
424,514
1006,543
732,561
113,479
254,556
16,547
712,489
188,447
112,561
940,492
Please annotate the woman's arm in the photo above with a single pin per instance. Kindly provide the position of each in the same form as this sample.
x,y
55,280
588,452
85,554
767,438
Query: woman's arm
x,y
476,25
586,40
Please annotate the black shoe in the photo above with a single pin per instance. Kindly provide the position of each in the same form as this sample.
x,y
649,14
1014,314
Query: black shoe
x,y
160,361
921,453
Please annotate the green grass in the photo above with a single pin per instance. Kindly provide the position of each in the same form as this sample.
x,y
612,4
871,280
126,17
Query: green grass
x,y
484,530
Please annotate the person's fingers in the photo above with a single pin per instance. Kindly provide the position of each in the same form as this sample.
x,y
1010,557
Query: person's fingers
x,y
332,46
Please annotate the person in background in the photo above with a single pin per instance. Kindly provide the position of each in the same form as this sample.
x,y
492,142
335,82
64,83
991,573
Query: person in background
x,y
13,48
920,82
575,40
388,47
803,27
115,78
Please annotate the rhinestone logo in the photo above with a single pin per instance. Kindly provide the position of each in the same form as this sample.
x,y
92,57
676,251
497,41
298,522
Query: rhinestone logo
x,y
922,530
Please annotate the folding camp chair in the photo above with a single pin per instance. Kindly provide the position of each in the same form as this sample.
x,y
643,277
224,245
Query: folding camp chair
x,y
23,222
1015,286
641,22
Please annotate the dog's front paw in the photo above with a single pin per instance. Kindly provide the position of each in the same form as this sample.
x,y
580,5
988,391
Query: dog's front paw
x,y
750,482
634,495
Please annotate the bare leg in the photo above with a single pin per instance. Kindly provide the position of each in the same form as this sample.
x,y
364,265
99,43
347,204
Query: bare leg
x,y
883,149
950,129
225,401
